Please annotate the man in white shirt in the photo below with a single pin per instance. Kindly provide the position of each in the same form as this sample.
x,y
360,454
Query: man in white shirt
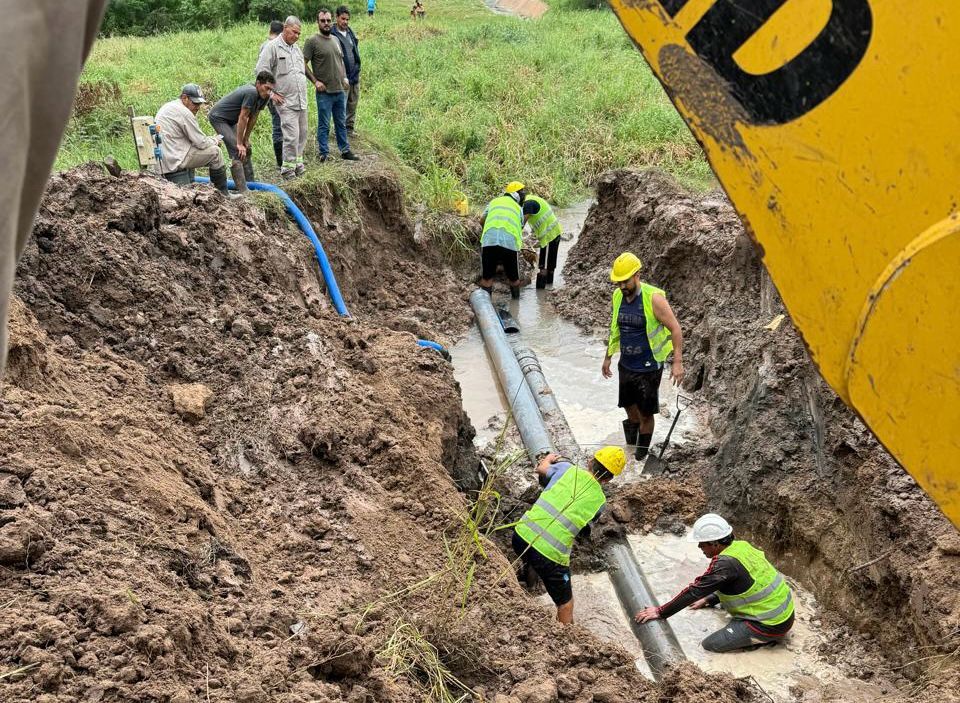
x,y
184,145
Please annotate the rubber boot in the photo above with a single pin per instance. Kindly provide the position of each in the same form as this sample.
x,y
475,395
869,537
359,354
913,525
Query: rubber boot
x,y
515,292
278,152
630,432
218,176
550,277
542,280
643,444
248,170
239,178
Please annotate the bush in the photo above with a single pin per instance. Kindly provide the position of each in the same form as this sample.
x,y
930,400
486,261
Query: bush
x,y
143,17
268,10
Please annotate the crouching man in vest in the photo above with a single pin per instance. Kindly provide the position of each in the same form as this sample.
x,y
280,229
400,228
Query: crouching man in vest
x,y
573,497
546,228
644,330
742,581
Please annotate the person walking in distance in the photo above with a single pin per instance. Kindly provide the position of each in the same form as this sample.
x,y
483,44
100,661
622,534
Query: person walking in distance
x,y
644,330
324,67
371,7
739,579
282,57
351,62
234,117
275,28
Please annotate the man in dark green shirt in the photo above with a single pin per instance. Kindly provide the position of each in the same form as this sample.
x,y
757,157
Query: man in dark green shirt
x,y
323,59
234,116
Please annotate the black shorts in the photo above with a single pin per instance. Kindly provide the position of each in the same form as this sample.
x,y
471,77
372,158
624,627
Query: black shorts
x,y
491,257
555,577
640,389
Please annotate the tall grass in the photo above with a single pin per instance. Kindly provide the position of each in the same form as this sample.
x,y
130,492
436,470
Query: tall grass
x,y
466,98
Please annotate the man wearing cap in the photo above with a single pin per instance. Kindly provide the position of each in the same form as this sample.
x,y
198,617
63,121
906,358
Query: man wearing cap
x,y
739,579
644,330
502,237
572,499
234,117
184,145
282,57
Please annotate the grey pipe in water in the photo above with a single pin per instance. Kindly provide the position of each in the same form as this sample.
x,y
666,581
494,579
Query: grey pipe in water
x,y
660,645
525,411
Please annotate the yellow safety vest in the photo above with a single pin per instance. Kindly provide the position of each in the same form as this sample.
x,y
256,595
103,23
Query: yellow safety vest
x,y
506,214
769,600
658,335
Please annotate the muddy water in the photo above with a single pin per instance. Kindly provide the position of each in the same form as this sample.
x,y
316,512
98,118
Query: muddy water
x,y
571,361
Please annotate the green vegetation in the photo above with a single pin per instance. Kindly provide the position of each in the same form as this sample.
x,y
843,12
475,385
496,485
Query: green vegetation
x,y
466,99
144,17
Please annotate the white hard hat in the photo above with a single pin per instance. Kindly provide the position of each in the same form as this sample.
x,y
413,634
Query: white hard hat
x,y
709,528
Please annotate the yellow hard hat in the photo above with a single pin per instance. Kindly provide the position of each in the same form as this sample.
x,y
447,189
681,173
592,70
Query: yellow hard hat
x,y
625,266
612,459
513,187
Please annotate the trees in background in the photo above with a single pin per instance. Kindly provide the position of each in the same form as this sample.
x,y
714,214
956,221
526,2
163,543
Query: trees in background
x,y
142,17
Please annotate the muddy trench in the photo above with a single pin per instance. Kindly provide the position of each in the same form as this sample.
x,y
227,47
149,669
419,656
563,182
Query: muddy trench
x,y
213,488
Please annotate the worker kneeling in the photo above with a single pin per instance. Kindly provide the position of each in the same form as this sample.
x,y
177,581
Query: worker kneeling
x,y
571,500
185,146
742,581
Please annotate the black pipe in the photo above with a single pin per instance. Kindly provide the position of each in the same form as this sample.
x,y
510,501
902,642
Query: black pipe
x,y
660,645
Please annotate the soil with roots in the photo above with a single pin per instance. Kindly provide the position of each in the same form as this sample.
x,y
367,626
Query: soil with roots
x,y
212,487
788,463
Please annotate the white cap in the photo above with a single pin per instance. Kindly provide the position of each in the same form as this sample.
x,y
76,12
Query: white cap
x,y
709,528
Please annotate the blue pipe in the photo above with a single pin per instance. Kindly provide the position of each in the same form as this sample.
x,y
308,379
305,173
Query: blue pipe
x,y
328,276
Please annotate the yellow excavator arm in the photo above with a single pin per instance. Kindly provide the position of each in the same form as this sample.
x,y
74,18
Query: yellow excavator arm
x,y
834,127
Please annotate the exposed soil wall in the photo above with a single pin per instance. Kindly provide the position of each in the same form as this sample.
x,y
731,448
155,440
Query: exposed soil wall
x,y
213,488
789,464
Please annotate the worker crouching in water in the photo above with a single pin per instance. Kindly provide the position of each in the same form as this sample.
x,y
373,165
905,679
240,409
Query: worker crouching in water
x,y
742,581
546,228
644,330
502,237
572,499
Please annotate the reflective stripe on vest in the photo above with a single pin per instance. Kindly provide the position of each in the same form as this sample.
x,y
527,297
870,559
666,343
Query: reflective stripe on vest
x,y
504,213
559,514
658,336
769,600
545,225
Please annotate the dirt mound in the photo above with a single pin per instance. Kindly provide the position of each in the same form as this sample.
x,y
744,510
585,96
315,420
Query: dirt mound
x,y
214,488
791,466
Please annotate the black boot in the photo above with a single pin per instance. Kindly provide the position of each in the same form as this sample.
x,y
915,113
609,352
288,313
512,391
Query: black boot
x,y
218,177
515,292
542,280
550,277
239,178
630,432
643,444
248,170
278,152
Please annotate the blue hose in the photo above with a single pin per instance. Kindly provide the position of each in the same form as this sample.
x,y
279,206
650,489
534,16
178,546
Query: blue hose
x,y
325,268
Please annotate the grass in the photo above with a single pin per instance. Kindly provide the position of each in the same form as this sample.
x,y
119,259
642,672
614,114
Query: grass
x,y
465,99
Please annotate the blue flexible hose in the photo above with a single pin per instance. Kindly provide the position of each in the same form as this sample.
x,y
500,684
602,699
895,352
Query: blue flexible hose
x,y
307,229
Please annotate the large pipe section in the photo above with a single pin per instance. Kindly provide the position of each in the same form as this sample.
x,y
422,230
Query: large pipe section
x,y
524,408
550,410
660,645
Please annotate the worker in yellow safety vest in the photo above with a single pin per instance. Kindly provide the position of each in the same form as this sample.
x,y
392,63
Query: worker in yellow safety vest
x,y
644,330
502,237
742,582
546,228
572,499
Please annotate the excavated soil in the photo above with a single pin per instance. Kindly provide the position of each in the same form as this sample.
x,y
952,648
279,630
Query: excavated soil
x,y
214,488
789,464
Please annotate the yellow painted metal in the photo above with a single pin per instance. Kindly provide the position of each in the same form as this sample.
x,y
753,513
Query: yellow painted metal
x,y
832,125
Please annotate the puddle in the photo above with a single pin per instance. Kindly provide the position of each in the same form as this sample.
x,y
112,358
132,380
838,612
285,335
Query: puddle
x,y
571,361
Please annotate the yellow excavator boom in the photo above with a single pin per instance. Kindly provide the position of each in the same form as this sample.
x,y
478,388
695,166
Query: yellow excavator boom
x,y
834,127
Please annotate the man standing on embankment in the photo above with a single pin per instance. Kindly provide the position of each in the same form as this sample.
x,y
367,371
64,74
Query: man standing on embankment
x,y
644,330
282,57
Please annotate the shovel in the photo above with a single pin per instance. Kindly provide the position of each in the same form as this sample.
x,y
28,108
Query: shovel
x,y
655,464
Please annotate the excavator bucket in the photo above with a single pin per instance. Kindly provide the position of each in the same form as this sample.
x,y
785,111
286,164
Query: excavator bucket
x,y
833,128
